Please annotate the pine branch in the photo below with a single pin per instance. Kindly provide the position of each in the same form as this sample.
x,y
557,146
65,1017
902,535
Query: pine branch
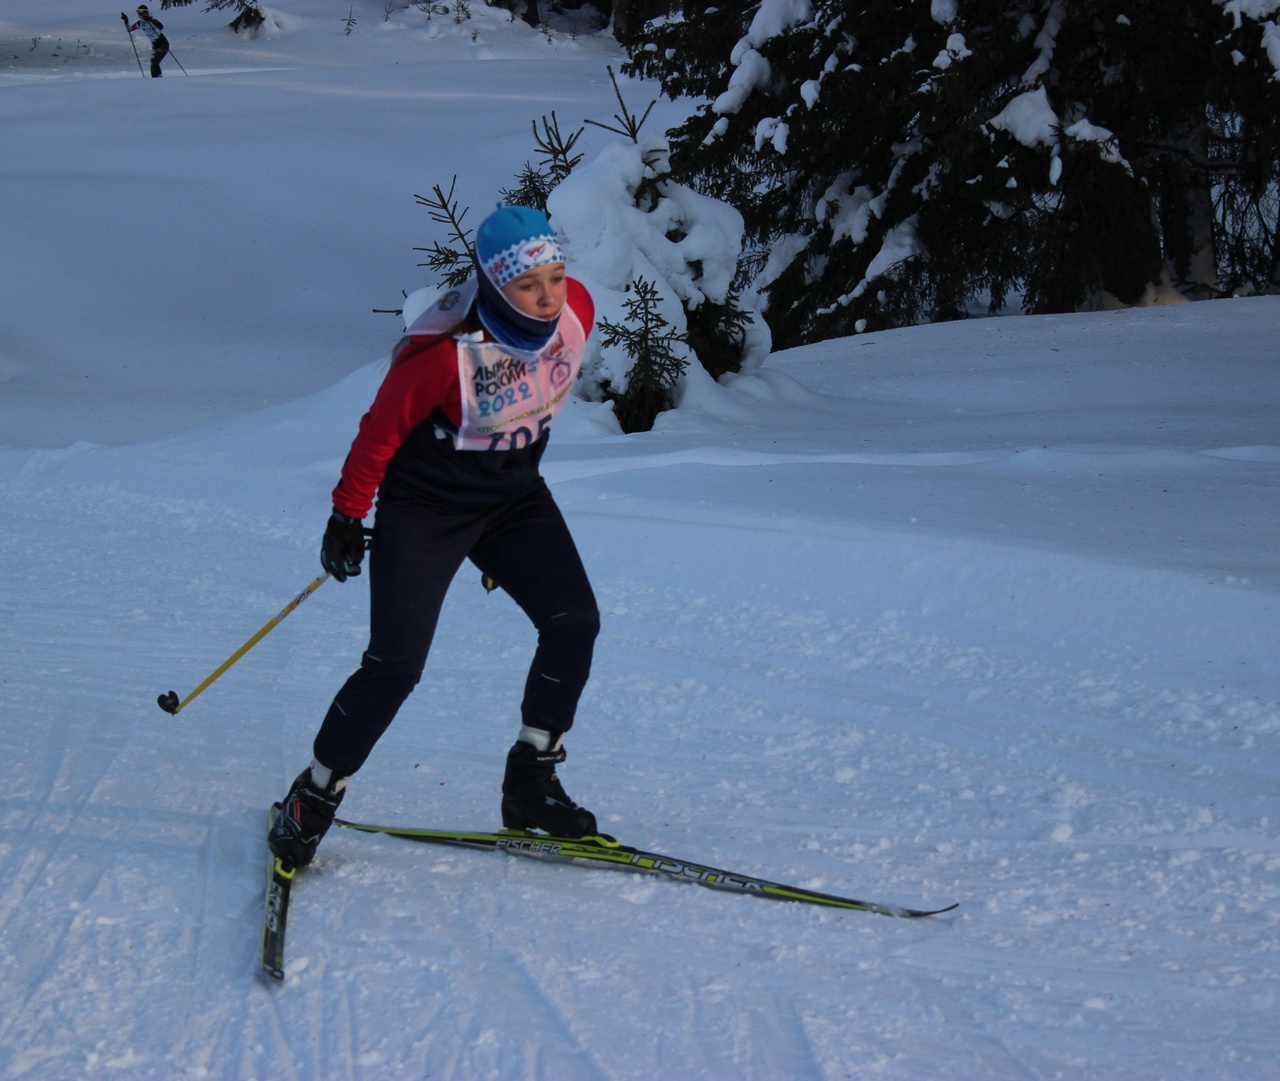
x,y
628,124
557,151
532,191
454,265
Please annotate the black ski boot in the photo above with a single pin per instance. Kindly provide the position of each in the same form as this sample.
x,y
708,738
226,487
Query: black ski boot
x,y
532,796
305,816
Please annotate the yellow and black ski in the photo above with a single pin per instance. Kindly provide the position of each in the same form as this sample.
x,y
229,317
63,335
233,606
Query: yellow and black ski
x,y
276,914
607,851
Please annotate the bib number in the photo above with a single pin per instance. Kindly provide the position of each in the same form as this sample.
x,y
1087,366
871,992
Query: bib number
x,y
509,397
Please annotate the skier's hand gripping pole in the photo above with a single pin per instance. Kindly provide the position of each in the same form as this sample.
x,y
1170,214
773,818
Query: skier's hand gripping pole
x,y
169,702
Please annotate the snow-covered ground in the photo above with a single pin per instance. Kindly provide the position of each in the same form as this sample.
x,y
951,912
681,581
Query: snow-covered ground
x,y
983,612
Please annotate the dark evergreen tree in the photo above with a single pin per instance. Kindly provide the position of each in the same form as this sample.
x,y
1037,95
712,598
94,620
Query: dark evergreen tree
x,y
653,349
629,17
905,162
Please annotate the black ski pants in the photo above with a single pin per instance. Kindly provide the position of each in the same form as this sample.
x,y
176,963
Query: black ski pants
x,y
525,546
159,50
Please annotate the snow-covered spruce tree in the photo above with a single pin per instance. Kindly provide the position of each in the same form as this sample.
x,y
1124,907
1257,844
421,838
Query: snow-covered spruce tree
x,y
630,231
624,219
904,162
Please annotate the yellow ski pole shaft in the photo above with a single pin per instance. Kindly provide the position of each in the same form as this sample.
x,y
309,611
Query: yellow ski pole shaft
x,y
169,702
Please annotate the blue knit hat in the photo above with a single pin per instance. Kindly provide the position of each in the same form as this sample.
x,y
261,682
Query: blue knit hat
x,y
510,241
514,239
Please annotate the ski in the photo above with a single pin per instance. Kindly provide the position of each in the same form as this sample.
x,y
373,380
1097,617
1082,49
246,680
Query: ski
x,y
276,915
607,851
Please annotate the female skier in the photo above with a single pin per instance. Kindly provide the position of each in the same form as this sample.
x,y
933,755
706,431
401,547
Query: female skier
x,y
451,446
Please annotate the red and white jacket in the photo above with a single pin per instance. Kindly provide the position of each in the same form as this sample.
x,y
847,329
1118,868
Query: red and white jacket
x,y
458,422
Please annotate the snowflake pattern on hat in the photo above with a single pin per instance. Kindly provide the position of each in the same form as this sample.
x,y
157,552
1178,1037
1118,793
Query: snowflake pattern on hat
x,y
510,263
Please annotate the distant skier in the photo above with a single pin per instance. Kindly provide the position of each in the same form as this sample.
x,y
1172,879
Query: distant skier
x,y
451,446
152,29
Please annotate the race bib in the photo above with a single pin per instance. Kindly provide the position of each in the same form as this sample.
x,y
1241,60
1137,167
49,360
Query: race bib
x,y
510,397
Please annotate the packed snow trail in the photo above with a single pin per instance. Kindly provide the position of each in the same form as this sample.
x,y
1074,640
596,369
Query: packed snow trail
x,y
881,714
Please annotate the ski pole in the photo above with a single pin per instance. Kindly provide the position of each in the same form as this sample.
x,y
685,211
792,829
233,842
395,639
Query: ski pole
x,y
169,702
179,63
125,19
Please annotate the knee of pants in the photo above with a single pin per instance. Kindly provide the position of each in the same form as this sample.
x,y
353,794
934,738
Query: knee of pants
x,y
580,627
395,677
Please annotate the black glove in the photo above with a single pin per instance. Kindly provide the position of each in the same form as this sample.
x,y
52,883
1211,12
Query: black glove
x,y
342,549
125,18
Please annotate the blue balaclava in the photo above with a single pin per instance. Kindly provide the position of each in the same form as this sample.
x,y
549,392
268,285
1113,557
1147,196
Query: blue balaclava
x,y
510,241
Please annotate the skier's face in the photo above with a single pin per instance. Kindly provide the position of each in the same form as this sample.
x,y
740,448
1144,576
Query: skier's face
x,y
539,292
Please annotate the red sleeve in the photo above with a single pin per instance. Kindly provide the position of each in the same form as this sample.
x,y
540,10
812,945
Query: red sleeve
x,y
582,304
423,377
